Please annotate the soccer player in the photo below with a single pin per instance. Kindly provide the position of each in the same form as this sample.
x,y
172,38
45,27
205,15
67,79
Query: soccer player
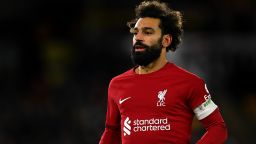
x,y
155,102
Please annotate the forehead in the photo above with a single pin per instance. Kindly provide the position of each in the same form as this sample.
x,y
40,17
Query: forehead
x,y
147,22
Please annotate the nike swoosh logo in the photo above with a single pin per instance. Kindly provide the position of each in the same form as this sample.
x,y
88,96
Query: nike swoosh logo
x,y
123,100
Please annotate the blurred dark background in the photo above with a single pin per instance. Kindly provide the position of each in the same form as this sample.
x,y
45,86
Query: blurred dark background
x,y
58,56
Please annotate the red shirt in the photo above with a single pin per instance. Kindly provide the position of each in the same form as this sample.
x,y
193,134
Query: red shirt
x,y
155,108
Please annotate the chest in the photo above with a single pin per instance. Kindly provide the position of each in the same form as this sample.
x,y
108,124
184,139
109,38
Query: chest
x,y
152,97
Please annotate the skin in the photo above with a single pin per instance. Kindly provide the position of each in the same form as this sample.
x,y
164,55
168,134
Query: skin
x,y
147,31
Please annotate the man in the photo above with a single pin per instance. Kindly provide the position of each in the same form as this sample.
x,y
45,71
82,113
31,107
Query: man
x,y
155,102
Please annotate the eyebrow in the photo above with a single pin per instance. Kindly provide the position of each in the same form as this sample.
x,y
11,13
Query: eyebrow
x,y
145,28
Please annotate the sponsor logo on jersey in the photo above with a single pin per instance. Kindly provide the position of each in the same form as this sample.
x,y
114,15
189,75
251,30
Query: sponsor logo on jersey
x,y
207,97
123,100
145,125
205,108
127,126
161,96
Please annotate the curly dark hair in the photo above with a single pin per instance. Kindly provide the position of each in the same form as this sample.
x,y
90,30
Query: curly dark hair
x,y
170,20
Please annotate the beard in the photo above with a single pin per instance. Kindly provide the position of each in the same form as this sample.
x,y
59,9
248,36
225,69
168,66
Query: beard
x,y
150,54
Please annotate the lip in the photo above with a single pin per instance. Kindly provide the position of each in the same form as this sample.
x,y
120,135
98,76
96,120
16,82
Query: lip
x,y
139,49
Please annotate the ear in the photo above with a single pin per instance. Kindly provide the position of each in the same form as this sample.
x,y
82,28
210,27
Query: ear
x,y
167,40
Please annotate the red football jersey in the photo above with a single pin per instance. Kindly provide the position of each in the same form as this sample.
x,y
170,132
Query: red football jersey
x,y
156,108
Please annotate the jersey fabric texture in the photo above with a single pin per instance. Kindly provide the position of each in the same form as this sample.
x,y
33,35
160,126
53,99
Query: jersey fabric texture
x,y
155,108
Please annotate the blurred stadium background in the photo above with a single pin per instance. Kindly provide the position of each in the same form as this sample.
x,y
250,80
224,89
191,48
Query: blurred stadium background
x,y
57,57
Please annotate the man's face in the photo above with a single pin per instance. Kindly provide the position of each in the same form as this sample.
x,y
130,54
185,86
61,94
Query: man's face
x,y
147,41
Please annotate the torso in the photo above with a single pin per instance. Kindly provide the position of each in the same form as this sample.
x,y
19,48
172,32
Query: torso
x,y
154,106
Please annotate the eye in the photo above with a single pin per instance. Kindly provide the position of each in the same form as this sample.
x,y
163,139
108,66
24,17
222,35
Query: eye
x,y
148,32
134,33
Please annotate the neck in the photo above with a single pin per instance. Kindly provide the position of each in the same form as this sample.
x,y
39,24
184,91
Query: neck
x,y
152,67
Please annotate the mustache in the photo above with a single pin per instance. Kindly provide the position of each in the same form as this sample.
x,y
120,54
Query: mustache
x,y
140,44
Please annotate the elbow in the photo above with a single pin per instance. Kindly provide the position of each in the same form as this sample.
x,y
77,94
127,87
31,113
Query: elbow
x,y
221,133
224,134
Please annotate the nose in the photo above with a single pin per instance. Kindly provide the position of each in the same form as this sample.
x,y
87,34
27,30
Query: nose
x,y
138,37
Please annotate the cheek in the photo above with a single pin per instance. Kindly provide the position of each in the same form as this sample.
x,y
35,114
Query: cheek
x,y
153,42
133,41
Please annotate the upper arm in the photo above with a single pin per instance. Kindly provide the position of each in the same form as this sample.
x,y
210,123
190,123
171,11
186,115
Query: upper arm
x,y
200,100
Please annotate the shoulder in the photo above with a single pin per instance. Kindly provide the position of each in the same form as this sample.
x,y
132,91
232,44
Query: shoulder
x,y
186,75
123,76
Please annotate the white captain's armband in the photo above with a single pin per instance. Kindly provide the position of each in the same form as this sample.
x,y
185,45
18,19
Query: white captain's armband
x,y
205,109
